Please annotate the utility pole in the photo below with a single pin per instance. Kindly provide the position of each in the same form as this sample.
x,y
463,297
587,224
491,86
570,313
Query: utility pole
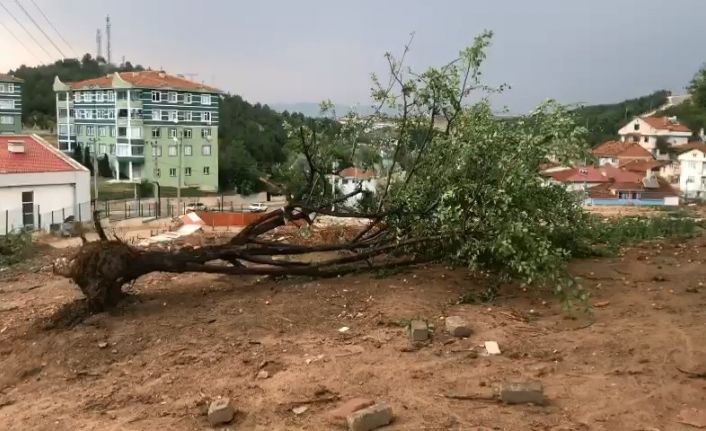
x,y
178,139
95,168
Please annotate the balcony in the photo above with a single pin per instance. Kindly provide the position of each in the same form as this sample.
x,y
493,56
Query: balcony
x,y
126,150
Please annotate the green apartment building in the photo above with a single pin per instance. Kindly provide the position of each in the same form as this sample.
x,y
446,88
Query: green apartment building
x,y
152,126
10,104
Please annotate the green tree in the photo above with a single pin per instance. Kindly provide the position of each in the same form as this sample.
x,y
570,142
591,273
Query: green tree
x,y
104,169
87,158
697,88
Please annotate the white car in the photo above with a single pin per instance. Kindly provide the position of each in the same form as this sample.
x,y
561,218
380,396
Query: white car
x,y
257,207
196,206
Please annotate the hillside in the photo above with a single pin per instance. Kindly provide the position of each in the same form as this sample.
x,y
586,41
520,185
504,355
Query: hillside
x,y
603,121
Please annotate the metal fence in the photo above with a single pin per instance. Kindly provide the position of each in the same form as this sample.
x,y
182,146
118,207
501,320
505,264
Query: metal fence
x,y
35,218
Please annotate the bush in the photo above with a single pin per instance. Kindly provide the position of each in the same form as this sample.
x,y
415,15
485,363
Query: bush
x,y
14,247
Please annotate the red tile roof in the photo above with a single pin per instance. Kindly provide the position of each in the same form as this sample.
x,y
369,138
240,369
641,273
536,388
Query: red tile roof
x,y
642,165
145,79
621,175
4,77
38,157
622,149
698,145
357,173
603,191
587,174
663,123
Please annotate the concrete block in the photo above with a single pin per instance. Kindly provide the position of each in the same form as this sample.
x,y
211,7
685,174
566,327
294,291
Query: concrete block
x,y
220,412
418,330
370,418
342,411
457,326
531,391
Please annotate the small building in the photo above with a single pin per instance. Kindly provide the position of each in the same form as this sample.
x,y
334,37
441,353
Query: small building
x,y
350,179
40,185
653,191
619,152
10,104
692,177
647,130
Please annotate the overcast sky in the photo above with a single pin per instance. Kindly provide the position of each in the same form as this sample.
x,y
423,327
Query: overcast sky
x,y
308,50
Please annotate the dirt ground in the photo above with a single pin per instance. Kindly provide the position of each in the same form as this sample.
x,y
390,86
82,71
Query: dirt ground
x,y
181,341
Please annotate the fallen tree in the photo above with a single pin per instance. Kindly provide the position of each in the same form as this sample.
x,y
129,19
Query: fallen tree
x,y
458,184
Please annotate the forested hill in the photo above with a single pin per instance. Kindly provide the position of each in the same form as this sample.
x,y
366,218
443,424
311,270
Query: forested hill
x,y
251,137
38,107
603,121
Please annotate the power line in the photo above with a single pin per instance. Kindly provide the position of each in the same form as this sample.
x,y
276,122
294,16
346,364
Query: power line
x,y
52,26
40,28
26,31
20,42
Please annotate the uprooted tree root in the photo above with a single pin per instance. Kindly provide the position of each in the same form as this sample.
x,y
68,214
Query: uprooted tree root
x,y
102,268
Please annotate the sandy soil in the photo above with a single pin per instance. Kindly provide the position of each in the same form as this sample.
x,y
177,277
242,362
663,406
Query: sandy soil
x,y
184,340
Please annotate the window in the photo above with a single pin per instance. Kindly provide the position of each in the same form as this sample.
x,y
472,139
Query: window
x,y
156,96
62,112
172,151
207,117
99,96
172,97
172,172
647,139
187,150
155,115
90,131
205,99
27,208
61,96
172,115
81,129
180,115
63,128
206,170
122,95
122,132
77,97
636,126
112,131
10,88
7,104
172,132
136,132
187,98
157,172
155,132
187,172
8,119
187,133
206,150
165,115
103,131
111,96
2,88
206,132
88,97
188,115
157,151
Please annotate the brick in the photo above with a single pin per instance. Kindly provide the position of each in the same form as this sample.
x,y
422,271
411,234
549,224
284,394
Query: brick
x,y
418,330
347,408
370,418
220,412
457,326
526,392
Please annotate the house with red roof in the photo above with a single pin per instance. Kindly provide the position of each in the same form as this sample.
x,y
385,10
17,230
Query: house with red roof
x,y
647,130
40,185
692,166
616,153
350,179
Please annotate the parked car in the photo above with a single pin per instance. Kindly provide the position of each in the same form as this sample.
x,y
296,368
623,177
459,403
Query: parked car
x,y
257,207
196,206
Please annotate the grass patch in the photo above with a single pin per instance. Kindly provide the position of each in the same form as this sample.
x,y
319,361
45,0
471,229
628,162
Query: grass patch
x,y
14,247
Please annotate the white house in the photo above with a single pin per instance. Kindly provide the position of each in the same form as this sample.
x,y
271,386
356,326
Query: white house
x,y
646,131
40,185
692,178
350,179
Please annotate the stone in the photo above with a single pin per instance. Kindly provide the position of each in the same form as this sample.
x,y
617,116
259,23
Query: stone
x,y
526,392
220,412
457,326
102,345
418,330
262,374
347,408
370,418
299,410
492,347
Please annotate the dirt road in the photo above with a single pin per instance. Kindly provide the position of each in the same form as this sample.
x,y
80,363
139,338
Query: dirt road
x,y
157,362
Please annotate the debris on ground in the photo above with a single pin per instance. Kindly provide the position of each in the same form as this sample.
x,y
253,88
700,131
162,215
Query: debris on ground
x,y
299,410
418,331
262,375
339,414
220,411
370,418
492,348
601,304
344,329
457,326
526,392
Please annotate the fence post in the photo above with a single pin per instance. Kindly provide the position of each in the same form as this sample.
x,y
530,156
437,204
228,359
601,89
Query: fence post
x,y
107,208
221,201
52,217
169,209
139,207
79,213
7,218
63,214
39,217
231,206
125,210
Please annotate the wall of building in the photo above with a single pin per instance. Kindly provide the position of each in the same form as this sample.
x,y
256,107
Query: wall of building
x,y
59,192
11,118
692,178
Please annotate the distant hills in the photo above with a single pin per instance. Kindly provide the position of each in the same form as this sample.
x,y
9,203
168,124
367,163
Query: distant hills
x,y
311,109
